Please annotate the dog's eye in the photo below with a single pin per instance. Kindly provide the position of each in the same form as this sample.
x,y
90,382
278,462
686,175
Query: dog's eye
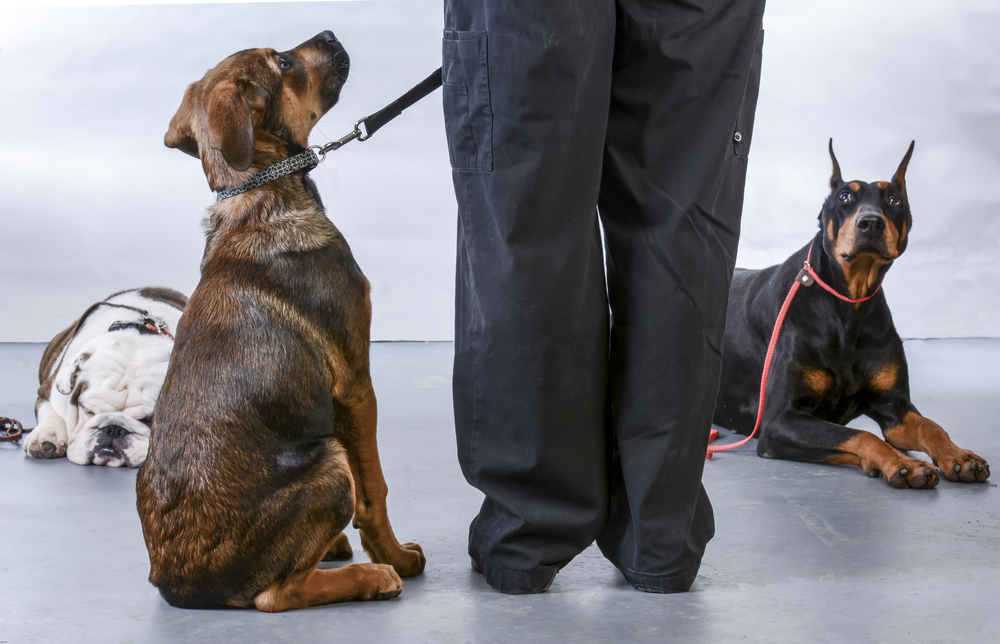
x,y
894,200
283,62
845,196
146,420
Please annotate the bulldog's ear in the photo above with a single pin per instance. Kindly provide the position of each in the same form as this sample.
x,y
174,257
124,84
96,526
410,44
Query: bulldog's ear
x,y
835,178
899,179
181,133
66,386
230,126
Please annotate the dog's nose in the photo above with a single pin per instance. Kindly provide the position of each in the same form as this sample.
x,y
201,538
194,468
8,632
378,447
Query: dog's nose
x,y
327,37
871,224
114,431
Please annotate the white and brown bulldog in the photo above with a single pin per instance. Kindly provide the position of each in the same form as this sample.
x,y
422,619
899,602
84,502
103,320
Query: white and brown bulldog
x,y
100,378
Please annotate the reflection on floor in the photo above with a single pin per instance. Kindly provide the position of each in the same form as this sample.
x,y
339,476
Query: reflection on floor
x,y
803,553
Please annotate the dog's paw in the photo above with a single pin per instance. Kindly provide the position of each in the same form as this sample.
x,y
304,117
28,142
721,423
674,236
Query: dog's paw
x,y
380,581
907,473
340,549
413,560
46,442
963,466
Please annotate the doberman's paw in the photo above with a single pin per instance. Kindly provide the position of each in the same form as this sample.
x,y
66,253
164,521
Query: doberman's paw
x,y
907,473
964,467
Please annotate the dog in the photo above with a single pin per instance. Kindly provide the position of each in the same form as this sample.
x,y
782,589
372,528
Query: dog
x,y
836,360
100,377
263,443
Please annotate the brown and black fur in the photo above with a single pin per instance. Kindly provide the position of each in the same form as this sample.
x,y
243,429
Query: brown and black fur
x,y
836,360
264,442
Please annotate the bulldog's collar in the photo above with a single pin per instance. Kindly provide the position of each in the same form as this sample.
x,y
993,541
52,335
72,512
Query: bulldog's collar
x,y
303,160
148,326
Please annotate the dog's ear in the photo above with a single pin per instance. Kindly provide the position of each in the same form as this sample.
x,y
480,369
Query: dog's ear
x,y
835,178
230,126
66,386
899,179
181,134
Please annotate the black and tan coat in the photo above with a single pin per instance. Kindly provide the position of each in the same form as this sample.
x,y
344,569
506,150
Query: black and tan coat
x,y
264,445
836,360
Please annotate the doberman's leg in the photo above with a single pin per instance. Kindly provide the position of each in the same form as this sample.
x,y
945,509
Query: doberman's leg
x,y
799,436
914,432
356,417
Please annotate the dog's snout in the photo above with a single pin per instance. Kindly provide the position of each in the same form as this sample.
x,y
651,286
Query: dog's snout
x,y
871,224
114,431
327,37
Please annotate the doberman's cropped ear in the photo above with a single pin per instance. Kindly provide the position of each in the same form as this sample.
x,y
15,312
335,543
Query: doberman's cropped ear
x,y
899,179
230,126
835,178
181,133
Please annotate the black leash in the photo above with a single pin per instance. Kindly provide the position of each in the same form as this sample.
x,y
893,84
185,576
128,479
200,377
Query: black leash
x,y
310,158
375,121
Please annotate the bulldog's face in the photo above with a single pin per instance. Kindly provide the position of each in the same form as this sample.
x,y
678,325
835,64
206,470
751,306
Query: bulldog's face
x,y
114,385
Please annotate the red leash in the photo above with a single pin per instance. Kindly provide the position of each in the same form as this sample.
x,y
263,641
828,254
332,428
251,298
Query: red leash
x,y
805,277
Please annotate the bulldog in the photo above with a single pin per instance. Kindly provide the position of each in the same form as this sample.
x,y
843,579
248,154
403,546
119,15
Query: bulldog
x,y
100,377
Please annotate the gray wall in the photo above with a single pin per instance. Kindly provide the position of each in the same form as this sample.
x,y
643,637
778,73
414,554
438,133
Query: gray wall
x,y
91,202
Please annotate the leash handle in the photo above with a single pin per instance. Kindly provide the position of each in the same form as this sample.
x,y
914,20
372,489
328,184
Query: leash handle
x,y
373,122
392,110
763,378
12,430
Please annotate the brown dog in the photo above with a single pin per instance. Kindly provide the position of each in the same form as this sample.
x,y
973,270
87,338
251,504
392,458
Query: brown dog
x,y
263,444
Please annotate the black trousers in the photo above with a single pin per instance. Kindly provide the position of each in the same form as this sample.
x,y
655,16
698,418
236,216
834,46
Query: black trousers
x,y
579,425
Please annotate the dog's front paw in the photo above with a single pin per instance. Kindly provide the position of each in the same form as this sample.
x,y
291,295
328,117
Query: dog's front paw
x,y
413,560
46,442
380,582
963,466
907,472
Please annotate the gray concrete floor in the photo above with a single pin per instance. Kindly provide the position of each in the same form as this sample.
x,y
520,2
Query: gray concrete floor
x,y
803,553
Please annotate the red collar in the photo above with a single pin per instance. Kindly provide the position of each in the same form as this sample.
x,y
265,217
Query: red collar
x,y
807,276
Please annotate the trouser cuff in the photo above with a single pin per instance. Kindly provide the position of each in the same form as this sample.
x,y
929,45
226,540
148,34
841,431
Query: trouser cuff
x,y
516,582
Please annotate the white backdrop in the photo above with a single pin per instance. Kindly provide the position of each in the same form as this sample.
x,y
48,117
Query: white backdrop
x,y
92,202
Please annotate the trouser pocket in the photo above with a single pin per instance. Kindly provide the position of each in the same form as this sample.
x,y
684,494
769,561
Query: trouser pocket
x,y
467,114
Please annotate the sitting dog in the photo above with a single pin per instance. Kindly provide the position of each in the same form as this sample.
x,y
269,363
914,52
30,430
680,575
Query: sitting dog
x,y
100,378
264,434
836,360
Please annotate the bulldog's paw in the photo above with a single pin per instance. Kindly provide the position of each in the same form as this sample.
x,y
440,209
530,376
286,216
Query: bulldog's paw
x,y
963,466
46,441
380,582
905,472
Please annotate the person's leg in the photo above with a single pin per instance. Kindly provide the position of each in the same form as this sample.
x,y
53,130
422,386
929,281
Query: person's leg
x,y
526,88
684,84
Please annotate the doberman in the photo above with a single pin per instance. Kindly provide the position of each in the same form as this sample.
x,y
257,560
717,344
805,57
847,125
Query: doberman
x,y
836,360
263,444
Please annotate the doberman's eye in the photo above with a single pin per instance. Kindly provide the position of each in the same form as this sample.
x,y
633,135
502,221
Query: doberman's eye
x,y
845,196
283,62
894,200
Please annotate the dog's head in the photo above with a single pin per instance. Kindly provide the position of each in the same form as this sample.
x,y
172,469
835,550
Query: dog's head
x,y
258,103
865,225
113,386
